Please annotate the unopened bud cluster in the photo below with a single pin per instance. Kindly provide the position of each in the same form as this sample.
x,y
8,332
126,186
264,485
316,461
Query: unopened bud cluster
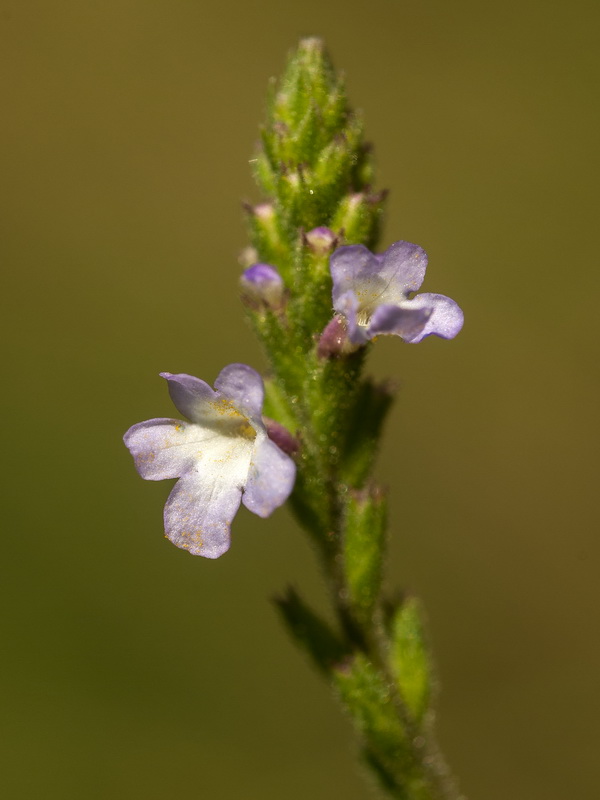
x,y
315,174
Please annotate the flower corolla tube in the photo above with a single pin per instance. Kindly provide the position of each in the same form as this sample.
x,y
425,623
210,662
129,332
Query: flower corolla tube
x,y
372,293
222,456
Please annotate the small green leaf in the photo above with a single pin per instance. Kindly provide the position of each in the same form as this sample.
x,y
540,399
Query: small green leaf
x,y
389,747
364,427
278,406
364,543
409,658
359,216
311,632
366,696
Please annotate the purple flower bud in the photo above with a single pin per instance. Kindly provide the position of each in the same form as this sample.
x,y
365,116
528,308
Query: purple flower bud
x,y
262,287
334,339
321,240
281,436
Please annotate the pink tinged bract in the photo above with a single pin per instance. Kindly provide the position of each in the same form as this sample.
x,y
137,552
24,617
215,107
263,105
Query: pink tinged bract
x,y
221,457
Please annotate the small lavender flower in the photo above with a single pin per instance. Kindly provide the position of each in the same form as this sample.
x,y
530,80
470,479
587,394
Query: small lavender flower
x,y
222,457
372,293
262,287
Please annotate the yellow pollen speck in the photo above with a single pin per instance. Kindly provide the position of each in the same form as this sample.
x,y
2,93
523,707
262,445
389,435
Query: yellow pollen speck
x,y
195,537
225,407
247,431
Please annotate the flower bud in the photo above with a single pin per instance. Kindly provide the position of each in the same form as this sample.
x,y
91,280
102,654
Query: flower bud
x,y
266,232
281,436
247,257
359,216
264,212
321,240
262,288
334,339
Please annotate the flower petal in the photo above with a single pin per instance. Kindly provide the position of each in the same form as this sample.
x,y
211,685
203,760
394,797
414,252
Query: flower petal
x,y
348,265
348,305
404,321
198,514
244,387
403,269
191,396
162,448
270,479
446,318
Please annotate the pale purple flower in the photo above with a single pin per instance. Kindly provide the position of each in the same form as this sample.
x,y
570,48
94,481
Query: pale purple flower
x,y
372,292
222,457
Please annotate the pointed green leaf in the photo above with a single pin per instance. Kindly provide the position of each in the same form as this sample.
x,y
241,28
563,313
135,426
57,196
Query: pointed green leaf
x,y
311,632
364,543
409,658
364,428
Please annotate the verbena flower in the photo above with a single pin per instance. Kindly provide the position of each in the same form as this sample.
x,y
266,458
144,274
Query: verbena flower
x,y
372,293
221,456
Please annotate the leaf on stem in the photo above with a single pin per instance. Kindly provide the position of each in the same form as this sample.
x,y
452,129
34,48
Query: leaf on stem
x,y
311,632
409,658
364,543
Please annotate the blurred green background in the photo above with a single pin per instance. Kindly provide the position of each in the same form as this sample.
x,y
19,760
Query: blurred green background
x,y
130,669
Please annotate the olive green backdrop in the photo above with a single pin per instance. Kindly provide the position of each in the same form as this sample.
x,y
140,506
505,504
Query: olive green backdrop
x,y
130,669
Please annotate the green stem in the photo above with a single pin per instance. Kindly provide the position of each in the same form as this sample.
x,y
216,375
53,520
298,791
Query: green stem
x,y
316,171
419,772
